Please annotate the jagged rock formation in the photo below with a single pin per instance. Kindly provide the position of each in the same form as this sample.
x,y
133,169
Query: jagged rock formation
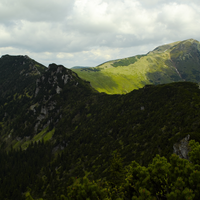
x,y
38,98
51,83
181,148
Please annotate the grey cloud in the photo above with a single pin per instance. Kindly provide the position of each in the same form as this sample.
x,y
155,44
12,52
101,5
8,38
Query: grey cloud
x,y
37,10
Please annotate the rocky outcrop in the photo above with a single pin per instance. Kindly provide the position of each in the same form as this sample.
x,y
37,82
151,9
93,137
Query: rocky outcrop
x,y
37,87
54,79
181,148
65,78
58,89
52,82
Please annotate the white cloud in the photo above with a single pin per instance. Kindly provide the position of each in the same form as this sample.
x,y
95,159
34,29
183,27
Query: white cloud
x,y
88,32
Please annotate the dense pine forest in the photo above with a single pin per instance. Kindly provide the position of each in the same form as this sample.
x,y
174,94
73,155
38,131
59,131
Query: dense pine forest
x,y
26,175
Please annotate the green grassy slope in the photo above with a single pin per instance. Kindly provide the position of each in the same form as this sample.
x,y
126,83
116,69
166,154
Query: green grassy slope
x,y
177,61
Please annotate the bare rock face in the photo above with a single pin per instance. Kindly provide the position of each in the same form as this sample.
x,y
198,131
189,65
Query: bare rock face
x,y
44,110
182,148
65,78
37,87
51,82
58,90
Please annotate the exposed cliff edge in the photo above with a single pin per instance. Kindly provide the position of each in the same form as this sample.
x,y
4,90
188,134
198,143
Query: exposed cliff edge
x,y
182,148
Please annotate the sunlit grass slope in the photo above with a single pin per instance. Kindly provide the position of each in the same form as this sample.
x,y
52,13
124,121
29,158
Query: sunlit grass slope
x,y
123,75
44,135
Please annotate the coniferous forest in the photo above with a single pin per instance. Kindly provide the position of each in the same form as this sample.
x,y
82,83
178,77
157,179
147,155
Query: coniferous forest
x,y
25,175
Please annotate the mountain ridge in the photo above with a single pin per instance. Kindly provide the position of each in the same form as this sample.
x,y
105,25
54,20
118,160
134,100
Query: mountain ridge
x,y
178,61
54,126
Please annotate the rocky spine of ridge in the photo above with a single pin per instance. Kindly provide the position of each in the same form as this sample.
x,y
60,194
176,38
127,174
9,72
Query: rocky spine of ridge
x,y
48,88
33,96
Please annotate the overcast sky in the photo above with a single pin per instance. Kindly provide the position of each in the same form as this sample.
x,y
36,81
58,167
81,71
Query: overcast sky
x,y
90,32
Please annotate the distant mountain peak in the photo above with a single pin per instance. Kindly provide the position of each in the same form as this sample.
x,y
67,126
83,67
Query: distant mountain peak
x,y
191,40
80,67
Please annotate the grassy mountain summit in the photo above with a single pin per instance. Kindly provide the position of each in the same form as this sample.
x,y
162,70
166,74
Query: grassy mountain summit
x,y
173,62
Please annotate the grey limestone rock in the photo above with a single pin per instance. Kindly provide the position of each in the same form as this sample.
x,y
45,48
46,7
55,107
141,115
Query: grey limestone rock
x,y
58,90
181,148
44,110
65,77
